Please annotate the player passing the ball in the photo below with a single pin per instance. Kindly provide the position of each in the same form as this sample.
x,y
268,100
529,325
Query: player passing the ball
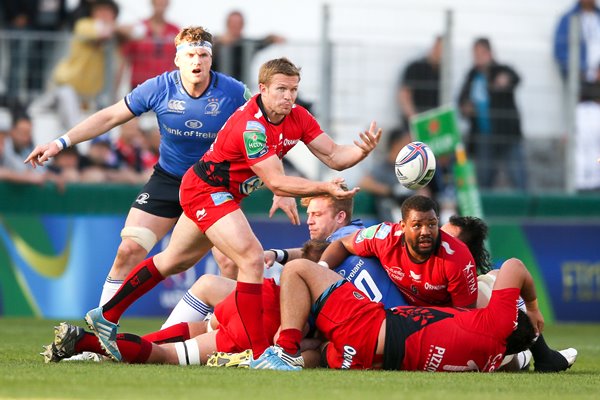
x,y
245,156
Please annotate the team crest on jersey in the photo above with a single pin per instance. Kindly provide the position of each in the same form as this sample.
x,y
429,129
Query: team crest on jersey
x,y
221,197
250,185
255,143
212,108
176,106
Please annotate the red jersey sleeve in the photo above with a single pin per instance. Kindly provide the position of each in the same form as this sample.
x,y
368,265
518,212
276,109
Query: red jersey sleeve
x,y
310,127
461,273
368,241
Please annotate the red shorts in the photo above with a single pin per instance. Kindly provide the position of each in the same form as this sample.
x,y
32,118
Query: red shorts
x,y
231,336
351,322
202,203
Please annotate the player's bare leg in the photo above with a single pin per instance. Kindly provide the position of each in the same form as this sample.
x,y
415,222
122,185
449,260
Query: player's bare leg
x,y
140,233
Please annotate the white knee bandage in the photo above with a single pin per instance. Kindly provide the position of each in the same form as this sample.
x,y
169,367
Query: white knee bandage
x,y
188,352
142,236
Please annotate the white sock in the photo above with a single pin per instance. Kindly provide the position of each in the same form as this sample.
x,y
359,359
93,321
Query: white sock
x,y
111,286
188,352
189,309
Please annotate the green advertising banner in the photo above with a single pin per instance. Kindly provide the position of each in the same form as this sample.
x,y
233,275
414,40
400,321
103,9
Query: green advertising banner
x,y
467,192
438,129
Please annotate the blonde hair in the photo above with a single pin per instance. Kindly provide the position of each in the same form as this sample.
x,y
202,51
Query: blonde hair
x,y
193,34
277,66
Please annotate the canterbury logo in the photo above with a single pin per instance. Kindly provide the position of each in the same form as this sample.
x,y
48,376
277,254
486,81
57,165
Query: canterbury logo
x,y
176,105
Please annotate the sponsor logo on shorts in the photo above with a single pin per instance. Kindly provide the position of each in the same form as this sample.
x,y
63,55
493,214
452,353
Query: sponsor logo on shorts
x,y
250,185
212,108
200,214
193,124
349,353
221,197
469,272
434,358
142,198
177,106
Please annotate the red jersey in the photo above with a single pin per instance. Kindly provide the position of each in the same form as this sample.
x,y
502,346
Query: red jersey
x,y
248,138
447,278
454,340
151,55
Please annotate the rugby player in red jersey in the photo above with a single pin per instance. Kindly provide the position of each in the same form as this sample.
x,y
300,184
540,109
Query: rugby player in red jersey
x,y
362,335
429,266
245,156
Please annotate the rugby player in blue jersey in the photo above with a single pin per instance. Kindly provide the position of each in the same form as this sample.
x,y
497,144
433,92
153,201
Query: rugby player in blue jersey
x,y
191,104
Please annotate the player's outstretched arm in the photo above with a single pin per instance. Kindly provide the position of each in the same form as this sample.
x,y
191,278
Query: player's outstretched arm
x,y
341,157
93,126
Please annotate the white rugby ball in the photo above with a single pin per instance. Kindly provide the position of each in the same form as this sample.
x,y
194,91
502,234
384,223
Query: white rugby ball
x,y
415,165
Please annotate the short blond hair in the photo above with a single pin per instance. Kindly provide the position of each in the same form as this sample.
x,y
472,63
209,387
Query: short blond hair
x,y
277,66
193,34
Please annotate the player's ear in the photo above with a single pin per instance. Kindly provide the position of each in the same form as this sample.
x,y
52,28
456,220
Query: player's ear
x,y
176,60
340,217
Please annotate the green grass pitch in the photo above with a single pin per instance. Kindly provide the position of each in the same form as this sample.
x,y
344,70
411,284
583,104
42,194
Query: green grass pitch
x,y
23,375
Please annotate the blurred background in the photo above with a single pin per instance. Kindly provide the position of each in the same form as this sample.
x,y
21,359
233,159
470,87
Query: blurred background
x,y
520,79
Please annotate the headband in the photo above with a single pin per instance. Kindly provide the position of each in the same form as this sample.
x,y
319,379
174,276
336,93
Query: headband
x,y
195,45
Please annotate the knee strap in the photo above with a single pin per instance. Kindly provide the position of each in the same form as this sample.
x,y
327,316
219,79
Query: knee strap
x,y
188,352
141,235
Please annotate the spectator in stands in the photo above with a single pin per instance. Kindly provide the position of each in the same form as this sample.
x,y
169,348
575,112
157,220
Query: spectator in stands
x,y
30,54
589,20
13,143
380,180
133,149
419,91
419,88
148,49
587,139
80,76
232,51
487,99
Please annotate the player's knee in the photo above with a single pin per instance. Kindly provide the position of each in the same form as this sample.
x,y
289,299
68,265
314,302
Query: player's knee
x,y
143,237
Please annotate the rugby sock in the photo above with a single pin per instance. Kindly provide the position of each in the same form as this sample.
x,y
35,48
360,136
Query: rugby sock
x,y
139,281
175,333
248,299
189,309
134,349
545,359
289,340
111,286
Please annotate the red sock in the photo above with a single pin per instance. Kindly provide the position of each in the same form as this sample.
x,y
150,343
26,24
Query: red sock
x,y
134,349
139,281
88,342
175,333
289,340
248,299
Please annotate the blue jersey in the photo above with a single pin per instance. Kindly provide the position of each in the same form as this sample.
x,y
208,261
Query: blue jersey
x,y
366,273
188,125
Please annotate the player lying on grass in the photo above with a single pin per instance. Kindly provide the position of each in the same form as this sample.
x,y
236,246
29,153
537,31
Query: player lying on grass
x,y
473,232
363,335
194,342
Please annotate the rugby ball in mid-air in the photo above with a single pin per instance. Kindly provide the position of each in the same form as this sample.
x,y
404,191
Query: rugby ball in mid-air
x,y
415,165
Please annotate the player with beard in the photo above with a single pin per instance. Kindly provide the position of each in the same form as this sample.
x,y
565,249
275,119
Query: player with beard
x,y
429,266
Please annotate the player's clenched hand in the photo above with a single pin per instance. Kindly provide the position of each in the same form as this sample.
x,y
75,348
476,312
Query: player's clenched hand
x,y
369,139
42,153
269,258
288,206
